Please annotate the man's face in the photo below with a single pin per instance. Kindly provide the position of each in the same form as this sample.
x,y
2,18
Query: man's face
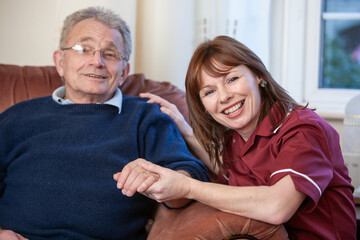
x,y
91,78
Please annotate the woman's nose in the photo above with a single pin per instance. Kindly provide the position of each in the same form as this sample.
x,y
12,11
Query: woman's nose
x,y
225,95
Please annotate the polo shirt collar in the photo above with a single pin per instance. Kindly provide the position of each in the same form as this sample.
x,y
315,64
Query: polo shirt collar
x,y
59,94
264,129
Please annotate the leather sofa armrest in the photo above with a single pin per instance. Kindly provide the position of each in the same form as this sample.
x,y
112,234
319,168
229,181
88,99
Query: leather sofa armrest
x,y
199,221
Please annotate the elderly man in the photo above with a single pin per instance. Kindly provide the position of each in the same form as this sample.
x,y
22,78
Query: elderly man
x,y
58,154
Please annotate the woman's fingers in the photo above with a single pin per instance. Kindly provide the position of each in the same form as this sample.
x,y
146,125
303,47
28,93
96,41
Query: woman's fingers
x,y
148,182
153,168
159,100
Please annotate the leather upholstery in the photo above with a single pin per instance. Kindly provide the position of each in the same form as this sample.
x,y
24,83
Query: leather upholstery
x,y
199,222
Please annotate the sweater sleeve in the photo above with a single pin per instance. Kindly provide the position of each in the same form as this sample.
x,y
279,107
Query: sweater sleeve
x,y
162,144
2,153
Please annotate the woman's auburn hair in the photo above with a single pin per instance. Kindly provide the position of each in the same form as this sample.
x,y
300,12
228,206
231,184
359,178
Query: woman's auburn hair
x,y
216,58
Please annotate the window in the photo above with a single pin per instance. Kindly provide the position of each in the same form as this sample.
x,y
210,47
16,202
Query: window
x,y
340,51
330,65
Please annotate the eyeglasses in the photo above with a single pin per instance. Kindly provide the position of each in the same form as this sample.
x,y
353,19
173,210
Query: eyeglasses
x,y
87,52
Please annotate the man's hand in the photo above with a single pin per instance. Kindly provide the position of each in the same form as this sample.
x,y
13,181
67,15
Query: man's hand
x,y
132,176
10,235
171,185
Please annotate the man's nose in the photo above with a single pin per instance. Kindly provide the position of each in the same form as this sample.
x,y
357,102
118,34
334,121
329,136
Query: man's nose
x,y
97,58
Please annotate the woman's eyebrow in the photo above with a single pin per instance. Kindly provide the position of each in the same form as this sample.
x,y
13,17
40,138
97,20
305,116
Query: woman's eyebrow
x,y
204,87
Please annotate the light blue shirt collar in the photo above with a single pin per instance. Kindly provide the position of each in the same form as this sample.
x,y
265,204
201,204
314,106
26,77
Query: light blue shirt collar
x,y
59,94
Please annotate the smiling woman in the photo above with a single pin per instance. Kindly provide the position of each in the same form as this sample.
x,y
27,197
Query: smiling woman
x,y
279,162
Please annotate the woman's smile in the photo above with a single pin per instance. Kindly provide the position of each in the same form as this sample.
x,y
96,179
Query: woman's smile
x,y
234,109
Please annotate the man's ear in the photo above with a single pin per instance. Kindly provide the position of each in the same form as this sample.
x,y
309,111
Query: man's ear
x,y
124,74
58,61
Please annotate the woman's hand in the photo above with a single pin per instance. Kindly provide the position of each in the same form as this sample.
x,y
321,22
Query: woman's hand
x,y
171,185
184,128
171,110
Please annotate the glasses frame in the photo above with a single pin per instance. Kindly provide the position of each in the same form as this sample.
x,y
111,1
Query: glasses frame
x,y
78,47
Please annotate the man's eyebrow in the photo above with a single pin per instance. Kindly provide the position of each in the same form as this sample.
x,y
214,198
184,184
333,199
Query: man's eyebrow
x,y
110,44
85,39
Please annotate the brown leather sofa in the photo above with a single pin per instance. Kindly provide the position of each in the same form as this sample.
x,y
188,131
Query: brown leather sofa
x,y
197,221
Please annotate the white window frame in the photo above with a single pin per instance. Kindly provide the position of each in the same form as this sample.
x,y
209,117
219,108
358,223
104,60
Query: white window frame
x,y
295,57
329,102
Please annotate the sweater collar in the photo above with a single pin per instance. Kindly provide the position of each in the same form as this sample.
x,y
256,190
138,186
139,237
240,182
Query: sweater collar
x,y
59,94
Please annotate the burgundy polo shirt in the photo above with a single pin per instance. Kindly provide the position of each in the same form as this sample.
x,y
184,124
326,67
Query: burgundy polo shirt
x,y
307,148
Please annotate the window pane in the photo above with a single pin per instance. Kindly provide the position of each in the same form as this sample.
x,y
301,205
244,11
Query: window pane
x,y
341,54
340,44
342,5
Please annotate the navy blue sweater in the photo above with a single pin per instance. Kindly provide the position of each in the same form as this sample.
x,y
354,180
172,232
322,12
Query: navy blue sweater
x,y
57,163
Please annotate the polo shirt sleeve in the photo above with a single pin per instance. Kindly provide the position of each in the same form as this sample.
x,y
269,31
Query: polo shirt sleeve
x,y
304,155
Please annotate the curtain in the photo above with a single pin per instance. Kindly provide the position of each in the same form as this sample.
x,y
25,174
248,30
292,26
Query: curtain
x,y
167,32
248,21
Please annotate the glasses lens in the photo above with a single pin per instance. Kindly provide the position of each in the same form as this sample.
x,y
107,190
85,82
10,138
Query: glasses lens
x,y
79,49
110,55
106,54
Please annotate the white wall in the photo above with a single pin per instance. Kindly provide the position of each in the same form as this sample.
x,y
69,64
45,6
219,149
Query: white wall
x,y
30,30
165,39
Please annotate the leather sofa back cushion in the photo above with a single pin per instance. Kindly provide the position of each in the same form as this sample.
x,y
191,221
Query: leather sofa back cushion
x,y
20,83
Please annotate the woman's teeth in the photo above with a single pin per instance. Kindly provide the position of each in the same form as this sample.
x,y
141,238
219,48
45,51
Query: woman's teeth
x,y
234,108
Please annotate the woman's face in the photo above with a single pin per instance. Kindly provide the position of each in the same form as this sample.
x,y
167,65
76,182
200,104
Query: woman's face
x,y
233,100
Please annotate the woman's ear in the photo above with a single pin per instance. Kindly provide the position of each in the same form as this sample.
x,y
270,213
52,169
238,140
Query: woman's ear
x,y
58,61
258,79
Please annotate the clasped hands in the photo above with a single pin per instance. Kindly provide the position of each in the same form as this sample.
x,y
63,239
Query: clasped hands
x,y
156,182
